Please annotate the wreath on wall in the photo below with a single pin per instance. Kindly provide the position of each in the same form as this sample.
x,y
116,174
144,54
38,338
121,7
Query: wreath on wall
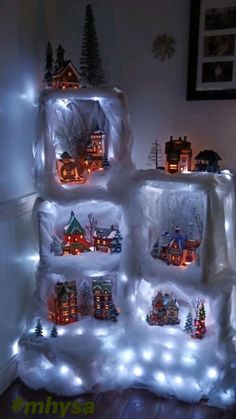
x,y
163,47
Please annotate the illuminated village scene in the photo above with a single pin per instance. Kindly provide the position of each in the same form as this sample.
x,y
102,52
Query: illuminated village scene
x,y
69,303
77,239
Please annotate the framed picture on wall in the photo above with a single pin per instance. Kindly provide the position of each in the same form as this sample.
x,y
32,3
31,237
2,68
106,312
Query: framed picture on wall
x,y
212,50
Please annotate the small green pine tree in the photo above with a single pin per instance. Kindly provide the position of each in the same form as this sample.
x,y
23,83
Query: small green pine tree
x,y
54,332
189,323
38,328
48,65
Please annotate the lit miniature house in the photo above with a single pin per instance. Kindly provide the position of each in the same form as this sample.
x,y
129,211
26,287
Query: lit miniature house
x,y
208,161
74,237
104,307
65,76
67,169
176,249
178,155
165,309
90,157
103,238
62,307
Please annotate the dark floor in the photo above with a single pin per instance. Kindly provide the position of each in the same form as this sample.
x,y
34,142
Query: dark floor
x,y
128,404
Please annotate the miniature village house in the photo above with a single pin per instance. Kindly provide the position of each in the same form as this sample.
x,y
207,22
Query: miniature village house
x,y
165,310
62,308
176,249
103,237
74,237
178,155
65,74
208,161
104,307
67,169
93,158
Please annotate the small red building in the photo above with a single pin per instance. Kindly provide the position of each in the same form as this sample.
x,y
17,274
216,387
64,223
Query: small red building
x,y
66,77
74,237
62,307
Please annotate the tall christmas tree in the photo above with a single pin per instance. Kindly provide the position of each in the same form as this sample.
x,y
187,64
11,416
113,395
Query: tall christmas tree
x,y
60,61
90,61
189,323
48,65
38,329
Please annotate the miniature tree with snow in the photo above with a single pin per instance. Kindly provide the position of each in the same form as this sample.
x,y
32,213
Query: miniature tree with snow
x,y
188,327
116,242
48,65
54,332
38,329
90,229
56,246
90,60
155,249
84,299
155,155
105,162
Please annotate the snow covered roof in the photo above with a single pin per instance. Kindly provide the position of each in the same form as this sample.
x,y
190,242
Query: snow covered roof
x,y
73,227
106,233
208,155
67,64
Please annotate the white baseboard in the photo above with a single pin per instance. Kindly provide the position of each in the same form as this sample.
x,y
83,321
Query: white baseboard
x,y
8,373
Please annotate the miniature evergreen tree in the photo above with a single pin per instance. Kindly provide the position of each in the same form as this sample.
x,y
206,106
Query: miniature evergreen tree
x,y
189,323
60,61
56,246
48,65
113,313
38,329
116,242
199,323
155,155
84,299
90,62
105,162
155,249
202,317
54,332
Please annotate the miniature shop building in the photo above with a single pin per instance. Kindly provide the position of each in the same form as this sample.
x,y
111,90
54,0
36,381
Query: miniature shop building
x,y
178,155
102,292
165,310
103,237
177,249
95,150
208,161
74,237
62,308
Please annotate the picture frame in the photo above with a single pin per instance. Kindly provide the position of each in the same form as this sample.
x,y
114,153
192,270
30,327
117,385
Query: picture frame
x,y
212,50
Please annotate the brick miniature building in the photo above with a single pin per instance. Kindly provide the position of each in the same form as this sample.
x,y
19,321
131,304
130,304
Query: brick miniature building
x,y
104,307
178,155
62,308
